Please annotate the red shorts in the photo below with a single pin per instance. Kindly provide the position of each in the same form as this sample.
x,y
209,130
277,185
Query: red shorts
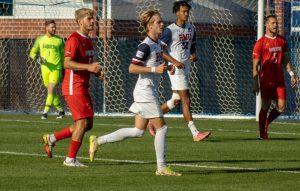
x,y
273,92
80,106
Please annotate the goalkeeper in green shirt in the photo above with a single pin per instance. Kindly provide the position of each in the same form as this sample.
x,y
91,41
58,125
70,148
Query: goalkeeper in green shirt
x,y
51,51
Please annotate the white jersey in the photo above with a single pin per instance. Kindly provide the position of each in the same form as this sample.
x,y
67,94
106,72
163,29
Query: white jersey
x,y
149,54
180,43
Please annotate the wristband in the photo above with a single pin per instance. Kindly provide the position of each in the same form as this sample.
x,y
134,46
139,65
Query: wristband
x,y
153,69
291,73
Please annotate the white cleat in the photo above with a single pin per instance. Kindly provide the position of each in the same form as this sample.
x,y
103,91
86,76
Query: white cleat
x,y
74,163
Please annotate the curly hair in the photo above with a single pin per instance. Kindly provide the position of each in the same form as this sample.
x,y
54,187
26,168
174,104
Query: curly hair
x,y
178,4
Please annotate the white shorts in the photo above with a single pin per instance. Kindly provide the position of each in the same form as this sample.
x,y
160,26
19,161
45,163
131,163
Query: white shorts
x,y
179,82
147,110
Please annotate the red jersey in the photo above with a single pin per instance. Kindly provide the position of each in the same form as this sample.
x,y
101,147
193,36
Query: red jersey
x,y
270,51
80,49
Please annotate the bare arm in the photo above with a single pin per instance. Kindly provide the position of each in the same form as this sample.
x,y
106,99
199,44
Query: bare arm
x,y
255,75
194,57
169,58
289,69
255,67
70,64
136,69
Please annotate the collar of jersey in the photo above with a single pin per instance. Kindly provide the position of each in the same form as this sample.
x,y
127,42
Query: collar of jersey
x,y
152,39
270,36
183,26
81,34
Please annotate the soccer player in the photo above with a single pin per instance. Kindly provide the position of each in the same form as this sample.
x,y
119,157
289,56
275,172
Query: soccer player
x,y
78,64
148,63
269,60
180,40
51,50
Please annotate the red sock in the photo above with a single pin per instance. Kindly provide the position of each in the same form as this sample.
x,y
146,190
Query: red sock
x,y
262,120
74,148
62,134
273,115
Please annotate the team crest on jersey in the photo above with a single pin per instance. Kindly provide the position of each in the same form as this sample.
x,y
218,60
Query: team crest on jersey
x,y
140,54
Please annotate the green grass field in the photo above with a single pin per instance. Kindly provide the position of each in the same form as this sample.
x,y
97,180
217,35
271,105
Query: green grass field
x,y
231,159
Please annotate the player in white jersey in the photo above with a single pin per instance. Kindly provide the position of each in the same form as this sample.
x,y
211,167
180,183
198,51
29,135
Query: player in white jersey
x,y
148,63
179,39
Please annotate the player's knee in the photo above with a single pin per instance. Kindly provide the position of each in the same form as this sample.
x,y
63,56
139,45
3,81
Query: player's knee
x,y
88,125
174,101
138,132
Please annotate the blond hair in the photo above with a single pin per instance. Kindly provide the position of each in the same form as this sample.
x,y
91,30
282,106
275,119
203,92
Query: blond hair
x,y
146,16
83,12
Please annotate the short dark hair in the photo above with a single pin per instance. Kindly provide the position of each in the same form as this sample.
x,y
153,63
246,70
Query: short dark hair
x,y
178,4
48,22
269,17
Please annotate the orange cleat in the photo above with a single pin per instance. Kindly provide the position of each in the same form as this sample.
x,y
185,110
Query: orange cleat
x,y
201,135
48,146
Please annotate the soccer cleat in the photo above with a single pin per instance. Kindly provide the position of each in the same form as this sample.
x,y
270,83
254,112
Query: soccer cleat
x,y
263,133
201,135
151,129
61,114
48,146
74,163
93,147
166,172
44,116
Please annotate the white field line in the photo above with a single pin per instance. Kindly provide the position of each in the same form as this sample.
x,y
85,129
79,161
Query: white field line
x,y
145,162
124,125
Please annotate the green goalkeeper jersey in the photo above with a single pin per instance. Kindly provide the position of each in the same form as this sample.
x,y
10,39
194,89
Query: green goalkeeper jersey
x,y
51,50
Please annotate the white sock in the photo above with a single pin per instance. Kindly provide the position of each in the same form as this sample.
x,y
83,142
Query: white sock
x,y
170,103
52,138
160,146
120,135
193,128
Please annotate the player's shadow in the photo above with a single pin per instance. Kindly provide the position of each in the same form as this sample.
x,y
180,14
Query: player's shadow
x,y
225,171
284,139
183,162
120,163
230,140
251,139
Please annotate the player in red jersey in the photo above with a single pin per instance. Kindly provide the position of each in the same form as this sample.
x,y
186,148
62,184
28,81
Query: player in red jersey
x,y
269,60
78,66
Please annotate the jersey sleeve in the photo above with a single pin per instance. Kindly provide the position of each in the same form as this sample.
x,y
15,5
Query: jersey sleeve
x,y
35,49
71,47
257,50
141,55
193,45
166,37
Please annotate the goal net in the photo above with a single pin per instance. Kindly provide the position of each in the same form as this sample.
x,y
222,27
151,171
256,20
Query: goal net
x,y
220,82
